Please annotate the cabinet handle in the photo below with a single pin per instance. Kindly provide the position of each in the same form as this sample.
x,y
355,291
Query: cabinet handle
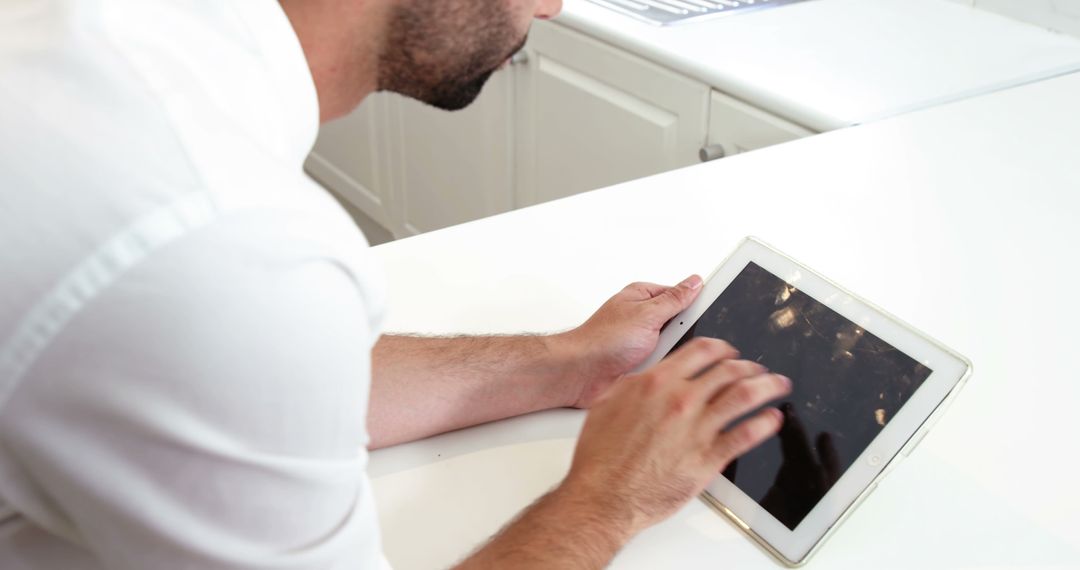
x,y
519,58
711,152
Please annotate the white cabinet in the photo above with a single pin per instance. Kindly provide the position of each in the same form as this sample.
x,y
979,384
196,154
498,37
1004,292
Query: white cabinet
x,y
737,127
573,115
453,167
413,168
351,157
591,115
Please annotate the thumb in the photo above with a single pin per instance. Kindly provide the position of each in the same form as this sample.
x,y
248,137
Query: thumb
x,y
675,299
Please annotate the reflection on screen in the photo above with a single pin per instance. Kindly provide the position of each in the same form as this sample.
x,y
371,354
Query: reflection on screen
x,y
848,383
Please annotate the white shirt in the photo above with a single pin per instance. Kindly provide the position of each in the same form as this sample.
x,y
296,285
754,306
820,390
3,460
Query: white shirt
x,y
185,318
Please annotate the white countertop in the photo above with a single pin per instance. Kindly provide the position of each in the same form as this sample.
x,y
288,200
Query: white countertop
x,y
833,63
963,220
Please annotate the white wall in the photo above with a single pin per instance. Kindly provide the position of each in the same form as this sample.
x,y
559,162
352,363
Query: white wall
x,y
1059,15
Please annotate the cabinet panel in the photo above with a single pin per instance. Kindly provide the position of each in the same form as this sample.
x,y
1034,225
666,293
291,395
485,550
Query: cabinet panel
x,y
455,167
350,157
592,116
739,127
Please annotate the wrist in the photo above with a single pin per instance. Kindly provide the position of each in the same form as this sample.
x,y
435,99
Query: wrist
x,y
571,364
567,528
598,506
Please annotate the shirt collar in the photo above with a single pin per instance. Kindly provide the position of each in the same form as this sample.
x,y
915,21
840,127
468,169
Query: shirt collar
x,y
288,72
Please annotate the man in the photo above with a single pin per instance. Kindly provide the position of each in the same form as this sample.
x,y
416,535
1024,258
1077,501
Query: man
x,y
188,324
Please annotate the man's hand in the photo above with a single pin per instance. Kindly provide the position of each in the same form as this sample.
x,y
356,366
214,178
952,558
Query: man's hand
x,y
656,439
651,443
622,333
427,385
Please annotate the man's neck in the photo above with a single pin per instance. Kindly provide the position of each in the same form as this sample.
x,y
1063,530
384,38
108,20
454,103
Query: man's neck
x,y
341,40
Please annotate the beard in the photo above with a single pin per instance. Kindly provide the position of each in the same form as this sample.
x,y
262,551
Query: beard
x,y
443,52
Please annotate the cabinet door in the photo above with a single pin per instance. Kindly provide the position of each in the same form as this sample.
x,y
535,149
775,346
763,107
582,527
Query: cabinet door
x,y
453,167
738,127
592,115
350,157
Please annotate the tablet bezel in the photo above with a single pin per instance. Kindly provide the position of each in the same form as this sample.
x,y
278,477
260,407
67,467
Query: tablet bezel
x,y
793,547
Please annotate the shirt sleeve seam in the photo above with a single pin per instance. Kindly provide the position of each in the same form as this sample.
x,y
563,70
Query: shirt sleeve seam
x,y
94,274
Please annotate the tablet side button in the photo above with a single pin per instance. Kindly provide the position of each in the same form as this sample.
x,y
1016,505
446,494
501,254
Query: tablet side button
x,y
911,445
735,518
866,495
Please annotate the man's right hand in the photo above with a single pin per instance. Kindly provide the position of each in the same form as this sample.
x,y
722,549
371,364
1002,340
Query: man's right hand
x,y
656,439
651,443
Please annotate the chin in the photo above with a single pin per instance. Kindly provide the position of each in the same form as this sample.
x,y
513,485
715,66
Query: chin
x,y
457,97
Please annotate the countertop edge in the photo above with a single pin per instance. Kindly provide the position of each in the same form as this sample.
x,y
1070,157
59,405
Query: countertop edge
x,y
787,108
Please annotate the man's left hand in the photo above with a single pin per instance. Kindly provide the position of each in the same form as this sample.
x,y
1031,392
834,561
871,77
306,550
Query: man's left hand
x,y
622,333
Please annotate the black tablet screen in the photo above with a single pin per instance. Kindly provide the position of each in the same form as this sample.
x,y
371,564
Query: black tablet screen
x,y
848,383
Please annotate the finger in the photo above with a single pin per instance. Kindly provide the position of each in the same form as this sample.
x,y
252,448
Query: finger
x,y
794,443
747,435
830,459
696,355
743,396
673,300
712,381
643,291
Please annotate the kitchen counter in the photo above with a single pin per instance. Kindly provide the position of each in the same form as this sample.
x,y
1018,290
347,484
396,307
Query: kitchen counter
x,y
962,220
827,64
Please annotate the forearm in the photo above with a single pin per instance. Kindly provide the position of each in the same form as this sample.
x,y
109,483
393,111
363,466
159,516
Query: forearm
x,y
427,385
563,529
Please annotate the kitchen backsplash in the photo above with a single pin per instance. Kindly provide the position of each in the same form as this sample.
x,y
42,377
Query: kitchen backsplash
x,y
1058,15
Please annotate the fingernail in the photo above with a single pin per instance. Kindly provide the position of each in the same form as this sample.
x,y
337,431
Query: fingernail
x,y
692,282
785,380
777,414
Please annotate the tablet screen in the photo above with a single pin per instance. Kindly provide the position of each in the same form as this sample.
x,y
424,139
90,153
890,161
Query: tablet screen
x,y
847,384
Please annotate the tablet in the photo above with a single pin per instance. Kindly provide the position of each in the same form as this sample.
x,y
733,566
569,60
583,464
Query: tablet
x,y
866,388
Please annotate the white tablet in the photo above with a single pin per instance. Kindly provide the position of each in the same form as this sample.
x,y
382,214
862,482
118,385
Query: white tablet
x,y
866,389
